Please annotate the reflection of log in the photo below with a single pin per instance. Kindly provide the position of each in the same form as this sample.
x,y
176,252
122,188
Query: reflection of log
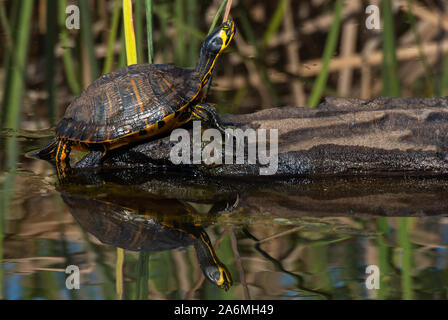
x,y
280,198
339,137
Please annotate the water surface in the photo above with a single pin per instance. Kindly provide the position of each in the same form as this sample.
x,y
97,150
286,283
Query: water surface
x,y
297,238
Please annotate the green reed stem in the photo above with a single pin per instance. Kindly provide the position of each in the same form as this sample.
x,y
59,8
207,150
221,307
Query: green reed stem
x,y
148,5
193,42
217,15
119,273
142,276
275,22
383,256
7,60
180,46
444,77
122,56
67,58
161,10
391,82
138,23
6,26
330,46
87,37
17,86
13,110
50,42
428,76
406,257
112,37
131,54
129,34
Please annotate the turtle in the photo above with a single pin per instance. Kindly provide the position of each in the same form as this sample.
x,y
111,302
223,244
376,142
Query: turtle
x,y
138,102
146,224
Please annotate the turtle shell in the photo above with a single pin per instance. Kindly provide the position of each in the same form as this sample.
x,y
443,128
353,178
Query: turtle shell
x,y
129,101
121,227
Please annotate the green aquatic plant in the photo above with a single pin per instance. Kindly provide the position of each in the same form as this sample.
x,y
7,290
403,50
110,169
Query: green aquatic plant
x,y
330,46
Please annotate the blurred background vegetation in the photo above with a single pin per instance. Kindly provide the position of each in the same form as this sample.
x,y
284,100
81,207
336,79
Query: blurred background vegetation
x,y
285,52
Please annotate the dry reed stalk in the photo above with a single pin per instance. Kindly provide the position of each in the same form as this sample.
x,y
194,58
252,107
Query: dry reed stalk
x,y
312,67
239,265
254,77
292,51
348,47
436,18
227,12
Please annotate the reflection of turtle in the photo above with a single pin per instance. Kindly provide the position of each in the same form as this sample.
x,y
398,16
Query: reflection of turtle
x,y
138,102
163,224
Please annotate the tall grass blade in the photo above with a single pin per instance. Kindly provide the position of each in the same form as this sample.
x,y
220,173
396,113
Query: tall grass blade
x,y
17,86
142,276
161,11
180,43
129,34
138,22
131,55
444,77
69,68
217,15
406,257
7,57
13,110
87,37
119,273
275,22
330,46
391,82
148,5
193,42
112,37
50,42
6,26
383,256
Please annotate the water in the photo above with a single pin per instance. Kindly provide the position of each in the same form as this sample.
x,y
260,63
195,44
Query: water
x,y
290,239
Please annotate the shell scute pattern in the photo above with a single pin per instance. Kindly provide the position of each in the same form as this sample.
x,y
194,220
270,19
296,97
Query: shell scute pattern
x,y
127,101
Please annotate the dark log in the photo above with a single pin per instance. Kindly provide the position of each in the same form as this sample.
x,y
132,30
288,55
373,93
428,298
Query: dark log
x,y
382,136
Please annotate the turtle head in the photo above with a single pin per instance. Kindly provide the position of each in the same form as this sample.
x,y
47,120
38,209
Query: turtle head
x,y
213,269
212,47
219,275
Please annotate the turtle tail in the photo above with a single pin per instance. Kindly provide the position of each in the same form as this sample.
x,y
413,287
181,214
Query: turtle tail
x,y
49,151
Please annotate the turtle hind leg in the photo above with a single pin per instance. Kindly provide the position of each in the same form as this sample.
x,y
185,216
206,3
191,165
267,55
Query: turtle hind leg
x,y
49,151
208,114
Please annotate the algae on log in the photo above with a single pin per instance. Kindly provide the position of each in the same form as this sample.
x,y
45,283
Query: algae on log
x,y
381,136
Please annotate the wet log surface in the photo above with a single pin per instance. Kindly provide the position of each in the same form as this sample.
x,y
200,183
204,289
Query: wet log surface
x,y
382,136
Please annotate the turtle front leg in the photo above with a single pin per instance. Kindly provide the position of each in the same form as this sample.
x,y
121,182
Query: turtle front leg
x,y
62,158
93,159
208,114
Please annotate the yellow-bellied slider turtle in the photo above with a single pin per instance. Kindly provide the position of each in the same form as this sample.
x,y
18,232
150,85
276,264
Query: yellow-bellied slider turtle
x,y
137,102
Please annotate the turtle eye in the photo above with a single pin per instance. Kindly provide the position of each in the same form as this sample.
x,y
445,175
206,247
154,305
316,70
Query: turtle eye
x,y
216,44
